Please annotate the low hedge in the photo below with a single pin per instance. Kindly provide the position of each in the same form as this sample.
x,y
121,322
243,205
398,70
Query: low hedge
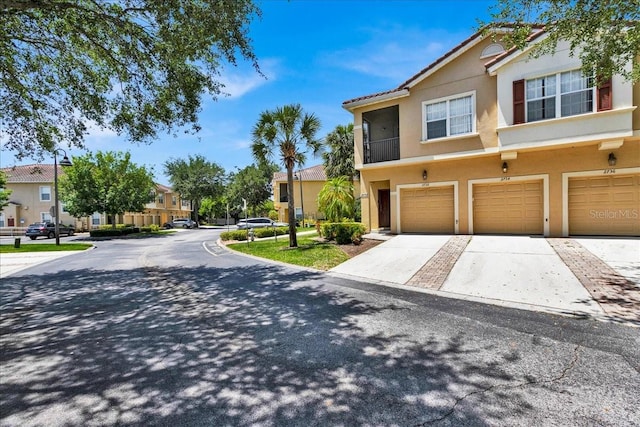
x,y
343,233
258,233
106,232
110,232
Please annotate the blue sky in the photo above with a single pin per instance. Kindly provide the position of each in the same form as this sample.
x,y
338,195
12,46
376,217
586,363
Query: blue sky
x,y
318,53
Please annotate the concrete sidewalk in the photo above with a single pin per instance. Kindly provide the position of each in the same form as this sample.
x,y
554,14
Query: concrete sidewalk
x,y
12,263
595,277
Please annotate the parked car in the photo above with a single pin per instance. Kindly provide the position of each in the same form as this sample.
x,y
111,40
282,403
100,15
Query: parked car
x,y
181,223
48,230
243,224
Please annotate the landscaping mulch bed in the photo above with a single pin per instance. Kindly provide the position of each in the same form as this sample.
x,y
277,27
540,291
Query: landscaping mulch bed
x,y
355,250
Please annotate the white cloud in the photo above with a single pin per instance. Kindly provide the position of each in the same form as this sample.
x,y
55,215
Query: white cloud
x,y
240,82
394,52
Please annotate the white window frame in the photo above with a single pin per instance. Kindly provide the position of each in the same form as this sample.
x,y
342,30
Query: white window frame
x,y
448,100
45,217
558,95
2,219
42,187
96,218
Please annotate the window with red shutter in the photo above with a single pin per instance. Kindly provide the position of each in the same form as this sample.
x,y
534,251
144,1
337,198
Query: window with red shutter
x,y
604,96
518,102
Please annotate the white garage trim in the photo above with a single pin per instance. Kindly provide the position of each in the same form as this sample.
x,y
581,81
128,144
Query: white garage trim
x,y
565,188
430,185
507,179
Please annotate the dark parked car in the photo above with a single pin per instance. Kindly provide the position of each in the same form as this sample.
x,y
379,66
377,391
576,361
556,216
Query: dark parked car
x,y
48,229
181,223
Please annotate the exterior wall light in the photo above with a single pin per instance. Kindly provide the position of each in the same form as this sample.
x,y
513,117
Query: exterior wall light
x,y
424,174
612,159
505,167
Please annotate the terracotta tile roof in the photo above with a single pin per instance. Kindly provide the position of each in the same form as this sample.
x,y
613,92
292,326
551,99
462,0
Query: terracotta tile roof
x,y
509,51
314,173
25,174
163,188
39,173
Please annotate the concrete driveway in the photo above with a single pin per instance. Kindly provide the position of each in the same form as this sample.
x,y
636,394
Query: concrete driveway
x,y
595,277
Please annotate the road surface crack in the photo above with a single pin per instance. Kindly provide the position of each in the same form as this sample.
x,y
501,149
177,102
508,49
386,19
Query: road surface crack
x,y
560,376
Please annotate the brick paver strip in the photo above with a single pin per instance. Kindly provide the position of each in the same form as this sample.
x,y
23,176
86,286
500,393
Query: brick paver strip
x,y
433,274
618,296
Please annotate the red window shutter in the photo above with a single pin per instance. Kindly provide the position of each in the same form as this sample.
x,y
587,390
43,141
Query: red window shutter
x,y
518,102
604,96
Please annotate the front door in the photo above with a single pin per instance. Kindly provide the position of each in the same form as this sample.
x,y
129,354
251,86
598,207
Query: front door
x,y
384,211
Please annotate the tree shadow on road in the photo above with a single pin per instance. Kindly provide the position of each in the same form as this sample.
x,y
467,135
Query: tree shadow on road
x,y
222,346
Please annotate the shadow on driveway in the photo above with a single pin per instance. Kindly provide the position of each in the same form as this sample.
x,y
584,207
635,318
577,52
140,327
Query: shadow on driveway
x,y
219,347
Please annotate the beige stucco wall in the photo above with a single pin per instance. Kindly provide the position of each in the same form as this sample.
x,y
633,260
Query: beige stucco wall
x,y
552,163
29,208
310,191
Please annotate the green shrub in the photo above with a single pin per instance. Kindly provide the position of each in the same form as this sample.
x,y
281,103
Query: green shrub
x,y
106,232
270,231
239,235
343,232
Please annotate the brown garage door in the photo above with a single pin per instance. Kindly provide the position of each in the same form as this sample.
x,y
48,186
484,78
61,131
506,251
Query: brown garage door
x,y
605,205
427,210
508,208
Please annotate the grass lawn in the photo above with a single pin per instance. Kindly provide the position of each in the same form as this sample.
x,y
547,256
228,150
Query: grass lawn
x,y
44,247
309,253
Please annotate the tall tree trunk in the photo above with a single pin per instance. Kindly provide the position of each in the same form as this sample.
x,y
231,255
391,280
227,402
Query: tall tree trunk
x,y
293,239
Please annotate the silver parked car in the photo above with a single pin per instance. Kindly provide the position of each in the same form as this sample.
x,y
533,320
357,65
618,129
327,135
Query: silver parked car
x,y
243,224
183,223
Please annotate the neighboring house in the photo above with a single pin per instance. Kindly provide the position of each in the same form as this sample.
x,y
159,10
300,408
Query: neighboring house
x,y
32,199
488,140
32,196
312,180
164,207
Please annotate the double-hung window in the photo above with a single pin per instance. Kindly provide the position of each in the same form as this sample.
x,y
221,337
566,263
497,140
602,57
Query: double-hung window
x,y
558,95
45,193
450,116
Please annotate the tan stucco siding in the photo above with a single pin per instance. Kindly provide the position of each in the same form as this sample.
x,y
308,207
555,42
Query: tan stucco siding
x,y
30,207
551,163
466,74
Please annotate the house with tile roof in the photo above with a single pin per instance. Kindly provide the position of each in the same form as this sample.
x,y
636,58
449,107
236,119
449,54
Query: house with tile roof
x,y
307,184
488,139
32,198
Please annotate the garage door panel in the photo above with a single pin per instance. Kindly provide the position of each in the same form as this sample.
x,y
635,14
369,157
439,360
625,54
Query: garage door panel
x,y
604,205
513,208
427,210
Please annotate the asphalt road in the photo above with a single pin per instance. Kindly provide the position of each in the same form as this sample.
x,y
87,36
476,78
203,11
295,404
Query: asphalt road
x,y
160,331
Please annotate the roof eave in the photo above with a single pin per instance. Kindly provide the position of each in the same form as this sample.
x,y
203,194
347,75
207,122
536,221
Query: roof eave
x,y
350,106
494,65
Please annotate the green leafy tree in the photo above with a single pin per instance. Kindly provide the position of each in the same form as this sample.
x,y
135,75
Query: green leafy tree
x,y
252,183
604,33
138,67
336,199
4,193
339,160
195,178
287,132
207,208
107,182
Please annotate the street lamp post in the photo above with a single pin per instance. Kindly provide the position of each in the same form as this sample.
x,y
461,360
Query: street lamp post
x,y
299,177
56,209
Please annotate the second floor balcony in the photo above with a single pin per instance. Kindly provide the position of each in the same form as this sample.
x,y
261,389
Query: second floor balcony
x,y
380,130
382,150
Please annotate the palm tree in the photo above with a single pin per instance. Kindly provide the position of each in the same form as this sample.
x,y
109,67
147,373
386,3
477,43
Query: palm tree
x,y
290,132
339,161
336,199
